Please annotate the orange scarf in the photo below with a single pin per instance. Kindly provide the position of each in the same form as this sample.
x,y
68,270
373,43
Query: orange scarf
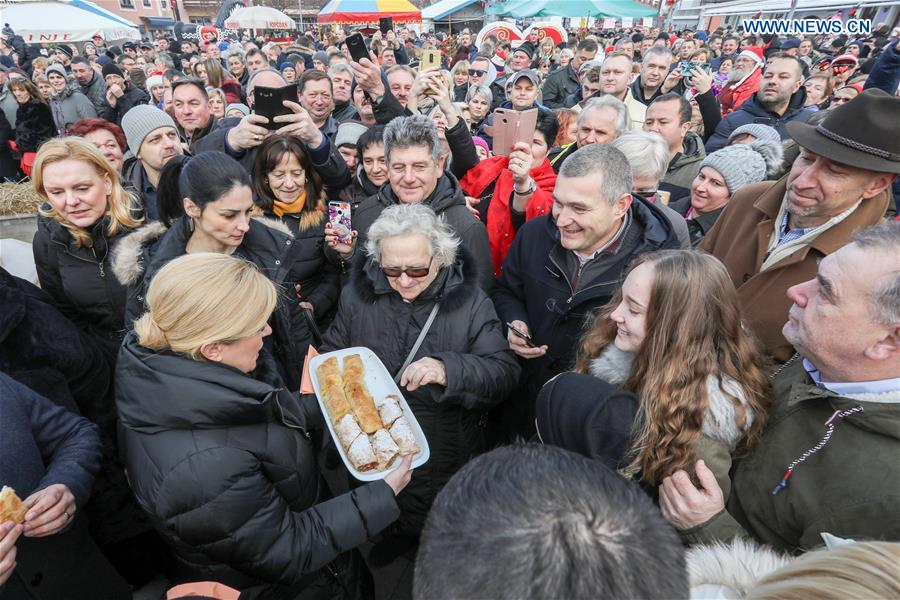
x,y
282,208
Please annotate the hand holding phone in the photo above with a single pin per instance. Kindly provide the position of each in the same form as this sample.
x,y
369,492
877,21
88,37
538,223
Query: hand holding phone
x,y
356,45
521,342
339,221
522,334
512,127
269,103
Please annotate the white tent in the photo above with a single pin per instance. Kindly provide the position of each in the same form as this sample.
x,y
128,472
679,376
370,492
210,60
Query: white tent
x,y
259,17
58,21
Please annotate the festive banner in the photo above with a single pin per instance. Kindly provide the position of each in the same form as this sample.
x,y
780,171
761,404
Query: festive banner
x,y
547,29
503,31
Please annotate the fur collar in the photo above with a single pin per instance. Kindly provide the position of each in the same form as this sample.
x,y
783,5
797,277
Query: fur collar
x,y
126,260
732,570
614,366
127,263
454,286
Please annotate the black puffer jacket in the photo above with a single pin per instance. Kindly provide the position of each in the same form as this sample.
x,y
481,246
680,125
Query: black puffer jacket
x,y
79,280
268,244
449,202
34,126
320,280
223,464
466,336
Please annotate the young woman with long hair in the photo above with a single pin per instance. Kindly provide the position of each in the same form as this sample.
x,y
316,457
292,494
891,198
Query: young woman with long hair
x,y
673,336
34,119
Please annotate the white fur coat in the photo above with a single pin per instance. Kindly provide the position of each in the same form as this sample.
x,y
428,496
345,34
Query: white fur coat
x,y
614,366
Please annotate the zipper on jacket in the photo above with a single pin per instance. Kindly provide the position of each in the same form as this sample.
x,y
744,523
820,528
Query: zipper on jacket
x,y
99,262
284,419
571,289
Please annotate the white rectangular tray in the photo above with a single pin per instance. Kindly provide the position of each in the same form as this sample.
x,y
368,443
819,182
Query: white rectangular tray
x,y
380,384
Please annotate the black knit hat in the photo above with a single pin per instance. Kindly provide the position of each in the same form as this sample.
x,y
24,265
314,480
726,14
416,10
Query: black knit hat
x,y
113,69
65,49
526,47
586,415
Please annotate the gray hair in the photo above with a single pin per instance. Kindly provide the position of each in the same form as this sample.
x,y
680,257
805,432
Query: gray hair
x,y
480,90
405,132
604,162
413,219
622,124
647,152
656,51
340,67
885,297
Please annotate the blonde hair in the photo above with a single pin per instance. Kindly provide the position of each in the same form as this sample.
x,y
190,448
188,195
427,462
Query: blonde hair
x,y
120,205
197,299
860,570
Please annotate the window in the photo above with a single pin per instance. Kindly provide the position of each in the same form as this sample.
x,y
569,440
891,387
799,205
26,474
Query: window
x,y
164,5
146,3
126,3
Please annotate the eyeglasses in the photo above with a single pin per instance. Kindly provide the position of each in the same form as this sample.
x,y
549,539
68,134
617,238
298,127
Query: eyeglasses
x,y
414,272
476,72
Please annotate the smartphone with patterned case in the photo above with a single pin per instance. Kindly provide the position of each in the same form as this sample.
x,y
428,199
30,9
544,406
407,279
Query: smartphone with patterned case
x,y
339,218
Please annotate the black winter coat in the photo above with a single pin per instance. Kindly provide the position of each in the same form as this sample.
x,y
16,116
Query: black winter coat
x,y
535,288
268,244
224,465
34,125
9,166
319,279
466,336
449,202
751,111
79,280
132,97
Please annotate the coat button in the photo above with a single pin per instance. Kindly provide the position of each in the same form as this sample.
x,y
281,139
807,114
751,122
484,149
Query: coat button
x,y
37,579
277,262
287,242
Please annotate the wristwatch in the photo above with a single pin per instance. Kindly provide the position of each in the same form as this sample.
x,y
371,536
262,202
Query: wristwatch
x,y
531,189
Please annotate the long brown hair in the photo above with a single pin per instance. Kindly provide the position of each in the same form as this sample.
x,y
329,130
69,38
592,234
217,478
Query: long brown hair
x,y
694,332
121,206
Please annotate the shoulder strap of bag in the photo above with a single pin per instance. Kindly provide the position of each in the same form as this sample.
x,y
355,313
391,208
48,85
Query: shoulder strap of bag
x,y
415,348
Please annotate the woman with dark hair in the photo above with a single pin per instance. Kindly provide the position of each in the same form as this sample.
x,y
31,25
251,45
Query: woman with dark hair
x,y
214,75
290,189
34,119
371,170
508,190
108,137
205,205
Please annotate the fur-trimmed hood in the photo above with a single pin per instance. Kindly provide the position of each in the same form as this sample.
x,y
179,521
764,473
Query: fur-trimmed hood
x,y
453,286
723,571
614,366
127,261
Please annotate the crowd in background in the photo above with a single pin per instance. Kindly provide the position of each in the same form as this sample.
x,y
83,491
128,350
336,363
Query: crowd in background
x,y
654,349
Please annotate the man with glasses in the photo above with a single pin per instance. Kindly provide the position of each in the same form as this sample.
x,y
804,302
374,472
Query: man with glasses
x,y
564,82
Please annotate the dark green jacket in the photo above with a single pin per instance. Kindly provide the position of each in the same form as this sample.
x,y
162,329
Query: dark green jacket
x,y
850,487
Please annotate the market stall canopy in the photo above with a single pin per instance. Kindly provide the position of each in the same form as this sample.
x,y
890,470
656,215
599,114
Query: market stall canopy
x,y
521,9
259,17
368,11
65,21
454,10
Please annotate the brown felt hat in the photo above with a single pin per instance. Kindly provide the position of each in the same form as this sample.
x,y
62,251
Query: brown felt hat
x,y
863,133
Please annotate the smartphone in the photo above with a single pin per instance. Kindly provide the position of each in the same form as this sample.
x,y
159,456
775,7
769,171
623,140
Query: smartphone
x,y
529,341
356,45
512,127
339,218
385,24
268,102
430,58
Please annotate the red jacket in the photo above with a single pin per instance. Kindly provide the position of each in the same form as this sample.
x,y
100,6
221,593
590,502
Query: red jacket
x,y
499,222
731,98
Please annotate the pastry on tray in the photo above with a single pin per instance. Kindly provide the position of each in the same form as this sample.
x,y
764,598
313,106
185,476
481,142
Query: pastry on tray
x,y
332,387
347,431
11,506
385,448
357,393
389,409
361,455
403,436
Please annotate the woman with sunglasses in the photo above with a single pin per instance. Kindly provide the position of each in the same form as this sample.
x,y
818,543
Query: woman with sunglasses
x,y
414,265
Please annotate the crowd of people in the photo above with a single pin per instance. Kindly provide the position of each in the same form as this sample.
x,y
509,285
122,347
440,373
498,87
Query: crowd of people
x,y
654,347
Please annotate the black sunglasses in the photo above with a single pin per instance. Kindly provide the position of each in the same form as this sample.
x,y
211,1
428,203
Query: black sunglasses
x,y
414,272
476,72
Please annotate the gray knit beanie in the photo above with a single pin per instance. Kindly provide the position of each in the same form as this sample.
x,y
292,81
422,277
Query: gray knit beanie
x,y
743,164
58,69
757,130
141,121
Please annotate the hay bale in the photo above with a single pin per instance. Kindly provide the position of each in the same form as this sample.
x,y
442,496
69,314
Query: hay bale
x,y
18,198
